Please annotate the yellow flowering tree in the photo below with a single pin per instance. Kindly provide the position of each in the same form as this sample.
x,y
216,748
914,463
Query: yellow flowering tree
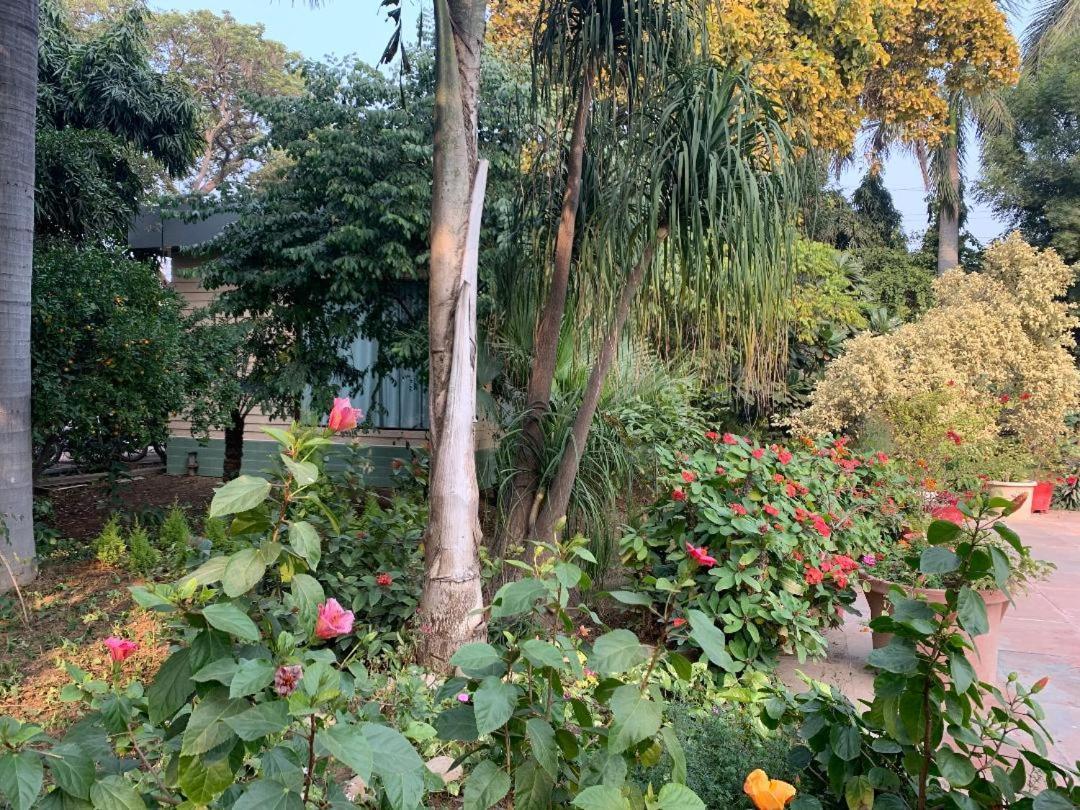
x,y
1000,336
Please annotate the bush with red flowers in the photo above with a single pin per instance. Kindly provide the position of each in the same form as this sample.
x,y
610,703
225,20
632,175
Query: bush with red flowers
x,y
781,536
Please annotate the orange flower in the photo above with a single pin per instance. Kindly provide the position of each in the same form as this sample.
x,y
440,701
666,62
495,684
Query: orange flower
x,y
766,793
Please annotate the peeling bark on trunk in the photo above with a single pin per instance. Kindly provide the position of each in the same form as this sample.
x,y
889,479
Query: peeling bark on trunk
x,y
526,481
558,496
451,600
948,255
234,447
18,100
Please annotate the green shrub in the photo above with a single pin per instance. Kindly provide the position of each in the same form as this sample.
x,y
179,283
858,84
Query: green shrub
x,y
142,557
174,538
109,546
779,537
721,748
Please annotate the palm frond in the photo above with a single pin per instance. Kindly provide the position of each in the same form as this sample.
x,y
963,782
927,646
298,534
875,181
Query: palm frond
x,y
1052,22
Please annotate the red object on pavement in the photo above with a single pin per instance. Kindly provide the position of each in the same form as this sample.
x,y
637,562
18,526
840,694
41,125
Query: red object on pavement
x,y
1041,497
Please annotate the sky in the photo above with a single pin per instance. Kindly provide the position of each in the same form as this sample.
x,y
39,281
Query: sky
x,y
339,28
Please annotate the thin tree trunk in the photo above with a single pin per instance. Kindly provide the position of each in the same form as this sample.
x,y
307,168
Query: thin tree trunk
x,y
949,215
558,497
526,481
234,446
451,600
18,100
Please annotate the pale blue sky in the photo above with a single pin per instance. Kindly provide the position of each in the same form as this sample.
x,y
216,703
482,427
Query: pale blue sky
x,y
342,27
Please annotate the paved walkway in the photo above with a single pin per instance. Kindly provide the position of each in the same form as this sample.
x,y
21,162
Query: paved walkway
x,y
1039,636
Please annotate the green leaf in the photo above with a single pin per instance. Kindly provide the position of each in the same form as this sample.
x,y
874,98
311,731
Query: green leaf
x,y
149,600
171,688
845,742
397,765
1052,799
72,769
618,651
711,641
244,571
242,493
457,723
303,472
478,660
601,797
517,597
859,793
203,779
305,542
307,594
971,612
494,703
897,656
681,664
1010,537
260,721
221,670
961,671
542,654
209,572
21,776
280,436
485,786
229,618
265,794
631,598
676,753
348,744
678,797
804,801
635,718
941,532
1001,567
206,728
955,767
542,738
532,787
938,560
113,793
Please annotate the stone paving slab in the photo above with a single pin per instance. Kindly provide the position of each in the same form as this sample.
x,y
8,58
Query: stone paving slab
x,y
1040,636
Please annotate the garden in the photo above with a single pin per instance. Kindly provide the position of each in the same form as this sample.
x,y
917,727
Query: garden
x,y
528,420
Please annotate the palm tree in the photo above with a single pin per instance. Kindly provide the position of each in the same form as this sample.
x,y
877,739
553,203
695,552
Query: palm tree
x,y
578,43
706,193
1054,20
18,97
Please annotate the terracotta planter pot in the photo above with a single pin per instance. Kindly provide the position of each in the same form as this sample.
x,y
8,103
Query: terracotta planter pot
x,y
986,646
1010,489
1041,496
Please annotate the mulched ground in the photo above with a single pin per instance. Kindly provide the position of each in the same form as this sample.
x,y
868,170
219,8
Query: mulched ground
x,y
63,617
80,512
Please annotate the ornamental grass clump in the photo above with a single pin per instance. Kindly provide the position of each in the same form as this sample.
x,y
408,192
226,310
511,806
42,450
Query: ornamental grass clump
x,y
999,337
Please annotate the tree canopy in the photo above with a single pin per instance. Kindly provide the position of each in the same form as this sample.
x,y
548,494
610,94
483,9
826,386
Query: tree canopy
x,y
1031,176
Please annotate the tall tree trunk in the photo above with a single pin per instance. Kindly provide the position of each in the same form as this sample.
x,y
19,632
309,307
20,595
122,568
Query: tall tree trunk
x,y
18,101
234,446
451,601
948,254
526,481
558,497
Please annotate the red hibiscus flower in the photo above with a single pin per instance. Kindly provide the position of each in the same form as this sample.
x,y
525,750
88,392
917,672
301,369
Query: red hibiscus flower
x,y
729,439
689,476
882,458
777,478
678,621
712,435
783,456
791,490
954,437
700,555
801,514
840,578
1071,480
678,494
813,576
771,510
758,452
1004,398
1024,397
384,580
721,471
738,509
